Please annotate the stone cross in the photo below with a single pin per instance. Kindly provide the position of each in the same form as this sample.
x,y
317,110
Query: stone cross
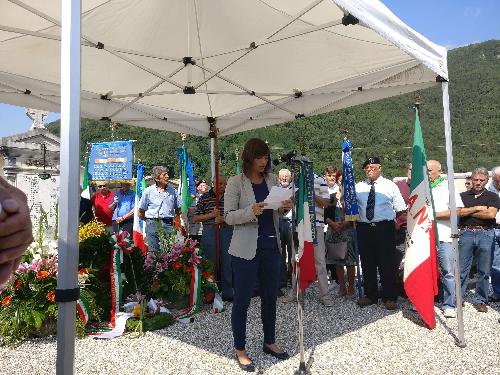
x,y
38,117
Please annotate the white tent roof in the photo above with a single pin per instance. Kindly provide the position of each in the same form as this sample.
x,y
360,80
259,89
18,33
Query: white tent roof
x,y
257,62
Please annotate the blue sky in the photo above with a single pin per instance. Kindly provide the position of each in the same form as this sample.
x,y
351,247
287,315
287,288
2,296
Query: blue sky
x,y
451,23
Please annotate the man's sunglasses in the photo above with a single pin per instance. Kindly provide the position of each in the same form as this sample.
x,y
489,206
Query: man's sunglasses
x,y
102,186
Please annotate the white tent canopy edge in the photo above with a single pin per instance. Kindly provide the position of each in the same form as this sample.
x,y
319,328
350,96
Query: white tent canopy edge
x,y
302,60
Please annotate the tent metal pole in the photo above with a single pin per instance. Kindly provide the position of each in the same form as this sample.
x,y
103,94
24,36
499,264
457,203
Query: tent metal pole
x,y
67,281
453,214
212,157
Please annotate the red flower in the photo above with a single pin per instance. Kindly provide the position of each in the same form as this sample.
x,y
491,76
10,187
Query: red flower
x,y
185,250
155,285
83,271
208,276
176,265
51,296
17,284
42,275
209,297
6,301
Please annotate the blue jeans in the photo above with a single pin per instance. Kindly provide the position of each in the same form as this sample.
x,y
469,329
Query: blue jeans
x,y
152,235
265,267
495,265
208,246
477,241
446,259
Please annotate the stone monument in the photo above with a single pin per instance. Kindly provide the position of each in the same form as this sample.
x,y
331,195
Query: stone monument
x,y
31,163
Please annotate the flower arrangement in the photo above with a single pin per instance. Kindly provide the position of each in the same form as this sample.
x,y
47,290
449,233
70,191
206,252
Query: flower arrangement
x,y
172,268
92,229
28,299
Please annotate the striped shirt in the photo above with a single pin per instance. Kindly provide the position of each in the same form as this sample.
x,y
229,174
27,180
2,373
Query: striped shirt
x,y
321,191
206,204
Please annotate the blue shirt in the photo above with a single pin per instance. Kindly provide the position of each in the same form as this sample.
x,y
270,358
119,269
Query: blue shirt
x,y
158,204
126,203
267,234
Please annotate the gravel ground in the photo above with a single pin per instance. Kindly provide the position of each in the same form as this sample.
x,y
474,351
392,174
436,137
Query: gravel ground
x,y
342,340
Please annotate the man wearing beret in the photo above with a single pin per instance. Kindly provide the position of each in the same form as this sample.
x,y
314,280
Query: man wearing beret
x,y
379,202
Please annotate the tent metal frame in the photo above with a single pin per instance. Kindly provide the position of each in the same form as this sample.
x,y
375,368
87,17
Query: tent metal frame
x,y
71,97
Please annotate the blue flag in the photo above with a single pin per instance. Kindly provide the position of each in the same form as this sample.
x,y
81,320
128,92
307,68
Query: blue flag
x,y
348,183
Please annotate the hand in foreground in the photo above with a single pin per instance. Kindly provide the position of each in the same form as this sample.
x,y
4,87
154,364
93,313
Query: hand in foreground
x,y
287,205
258,208
219,219
15,228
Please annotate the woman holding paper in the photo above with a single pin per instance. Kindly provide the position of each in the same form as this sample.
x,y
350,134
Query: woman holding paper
x,y
254,248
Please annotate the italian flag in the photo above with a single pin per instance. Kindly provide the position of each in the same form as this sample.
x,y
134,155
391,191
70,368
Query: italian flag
x,y
307,273
185,193
139,229
420,264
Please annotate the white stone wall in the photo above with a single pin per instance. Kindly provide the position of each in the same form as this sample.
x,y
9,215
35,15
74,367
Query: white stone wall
x,y
41,194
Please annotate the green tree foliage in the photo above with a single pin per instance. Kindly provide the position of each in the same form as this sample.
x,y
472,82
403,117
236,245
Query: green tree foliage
x,y
383,128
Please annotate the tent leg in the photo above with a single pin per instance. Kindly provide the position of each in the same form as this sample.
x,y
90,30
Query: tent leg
x,y
69,184
453,214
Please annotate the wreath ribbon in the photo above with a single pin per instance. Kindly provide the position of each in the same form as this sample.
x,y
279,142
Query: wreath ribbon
x,y
121,241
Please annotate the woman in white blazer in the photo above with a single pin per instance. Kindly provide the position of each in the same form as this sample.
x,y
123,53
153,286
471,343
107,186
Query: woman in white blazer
x,y
254,249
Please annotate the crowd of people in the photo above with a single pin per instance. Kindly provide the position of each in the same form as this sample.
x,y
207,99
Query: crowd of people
x,y
252,237
256,249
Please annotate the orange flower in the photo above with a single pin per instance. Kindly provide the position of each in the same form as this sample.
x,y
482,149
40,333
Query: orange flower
x,y
42,275
6,301
17,284
155,285
83,271
176,265
51,296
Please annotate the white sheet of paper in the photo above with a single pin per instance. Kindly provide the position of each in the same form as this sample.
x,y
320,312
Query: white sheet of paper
x,y
276,196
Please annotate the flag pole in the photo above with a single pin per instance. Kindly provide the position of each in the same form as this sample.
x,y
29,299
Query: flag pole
x,y
213,135
302,370
453,214
350,203
356,255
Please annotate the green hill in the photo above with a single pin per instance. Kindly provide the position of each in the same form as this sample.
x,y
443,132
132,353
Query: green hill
x,y
383,128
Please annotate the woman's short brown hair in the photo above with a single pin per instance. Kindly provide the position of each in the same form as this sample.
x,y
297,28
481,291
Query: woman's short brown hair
x,y
255,148
331,170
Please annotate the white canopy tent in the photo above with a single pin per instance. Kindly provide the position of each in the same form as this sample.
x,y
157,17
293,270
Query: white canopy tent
x,y
181,65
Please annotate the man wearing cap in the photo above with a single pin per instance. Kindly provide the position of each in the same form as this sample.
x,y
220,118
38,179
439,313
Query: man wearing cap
x,y
379,202
101,201
477,213
157,207
123,209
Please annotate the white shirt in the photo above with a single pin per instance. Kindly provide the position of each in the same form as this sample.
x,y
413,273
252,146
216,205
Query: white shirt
x,y
388,200
320,190
332,190
493,189
441,198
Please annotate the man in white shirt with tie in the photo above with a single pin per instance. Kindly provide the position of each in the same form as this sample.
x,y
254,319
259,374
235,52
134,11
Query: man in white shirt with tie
x,y
379,201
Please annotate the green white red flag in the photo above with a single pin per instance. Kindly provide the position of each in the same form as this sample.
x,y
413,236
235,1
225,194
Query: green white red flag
x,y
420,264
305,231
139,228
